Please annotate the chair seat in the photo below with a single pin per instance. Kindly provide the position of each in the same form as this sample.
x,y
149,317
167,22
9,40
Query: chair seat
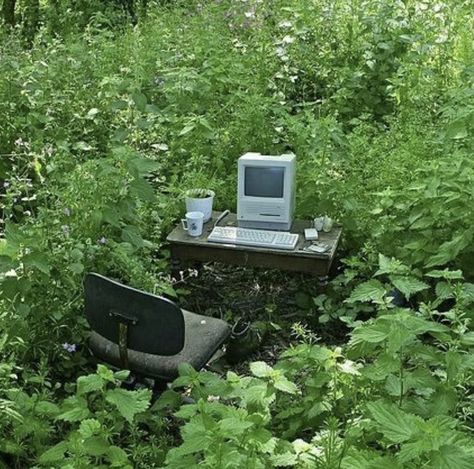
x,y
203,336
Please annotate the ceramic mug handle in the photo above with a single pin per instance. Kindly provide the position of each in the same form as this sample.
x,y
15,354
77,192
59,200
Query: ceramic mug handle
x,y
185,224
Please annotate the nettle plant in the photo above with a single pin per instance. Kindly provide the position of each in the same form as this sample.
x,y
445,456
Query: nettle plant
x,y
229,424
397,395
98,423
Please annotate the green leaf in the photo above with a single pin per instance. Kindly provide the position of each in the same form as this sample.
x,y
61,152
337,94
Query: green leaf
x,y
129,403
373,290
53,454
76,268
89,427
96,445
261,369
451,457
38,261
371,333
446,274
117,456
140,101
395,424
457,130
142,189
89,383
131,234
449,250
284,385
409,285
234,426
74,409
444,290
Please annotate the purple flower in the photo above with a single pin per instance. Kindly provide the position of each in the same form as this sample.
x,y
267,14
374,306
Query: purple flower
x,y
102,240
69,347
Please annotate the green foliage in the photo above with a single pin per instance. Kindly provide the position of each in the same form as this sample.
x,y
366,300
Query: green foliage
x,y
109,116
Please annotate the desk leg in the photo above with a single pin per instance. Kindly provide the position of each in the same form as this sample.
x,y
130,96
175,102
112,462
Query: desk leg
x,y
176,269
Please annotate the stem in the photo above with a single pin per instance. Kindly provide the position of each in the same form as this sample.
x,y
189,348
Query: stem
x,y
401,378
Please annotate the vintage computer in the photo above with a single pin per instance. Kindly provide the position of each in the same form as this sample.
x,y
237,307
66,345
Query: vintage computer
x,y
265,203
266,191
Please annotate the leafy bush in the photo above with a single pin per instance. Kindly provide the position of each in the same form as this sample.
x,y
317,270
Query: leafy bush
x,y
106,125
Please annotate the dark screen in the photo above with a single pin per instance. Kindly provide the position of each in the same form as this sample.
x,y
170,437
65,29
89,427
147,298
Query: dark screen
x,y
264,182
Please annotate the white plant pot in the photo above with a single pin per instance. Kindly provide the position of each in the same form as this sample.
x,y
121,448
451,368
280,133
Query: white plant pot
x,y
203,205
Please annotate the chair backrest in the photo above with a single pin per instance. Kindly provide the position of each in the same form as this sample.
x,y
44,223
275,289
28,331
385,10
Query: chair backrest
x,y
154,324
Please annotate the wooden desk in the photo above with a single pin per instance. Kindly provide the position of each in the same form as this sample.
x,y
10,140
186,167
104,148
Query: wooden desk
x,y
185,247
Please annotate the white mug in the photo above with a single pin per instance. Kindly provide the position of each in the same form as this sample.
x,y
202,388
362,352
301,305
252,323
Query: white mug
x,y
193,223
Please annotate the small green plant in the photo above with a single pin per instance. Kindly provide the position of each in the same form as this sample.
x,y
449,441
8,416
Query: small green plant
x,y
199,193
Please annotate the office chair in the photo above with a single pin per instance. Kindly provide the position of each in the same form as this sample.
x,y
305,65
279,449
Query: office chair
x,y
147,334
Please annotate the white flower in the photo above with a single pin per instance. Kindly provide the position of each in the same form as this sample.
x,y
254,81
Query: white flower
x,y
288,40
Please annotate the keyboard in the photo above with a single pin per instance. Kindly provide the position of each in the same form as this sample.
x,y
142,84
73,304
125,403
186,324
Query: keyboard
x,y
249,237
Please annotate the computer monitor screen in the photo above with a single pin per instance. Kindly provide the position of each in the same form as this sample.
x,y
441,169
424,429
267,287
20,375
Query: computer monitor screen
x,y
263,181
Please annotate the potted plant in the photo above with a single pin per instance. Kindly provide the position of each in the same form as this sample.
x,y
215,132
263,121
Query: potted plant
x,y
200,200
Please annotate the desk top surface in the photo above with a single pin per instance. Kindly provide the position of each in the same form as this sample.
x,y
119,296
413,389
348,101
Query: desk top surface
x,y
180,236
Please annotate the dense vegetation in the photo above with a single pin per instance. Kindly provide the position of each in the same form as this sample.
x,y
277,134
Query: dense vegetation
x,y
109,112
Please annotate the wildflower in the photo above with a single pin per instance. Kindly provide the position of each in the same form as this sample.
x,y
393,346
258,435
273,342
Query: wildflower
x,y
250,14
6,184
288,40
19,142
159,81
65,229
69,347
102,240
67,212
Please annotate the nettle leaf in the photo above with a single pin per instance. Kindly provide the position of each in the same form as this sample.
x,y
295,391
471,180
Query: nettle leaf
x,y
446,274
74,409
96,445
373,290
142,189
140,101
105,373
261,369
449,250
89,427
117,456
131,234
451,457
409,285
467,293
129,403
53,454
89,383
444,290
389,265
284,385
395,424
234,425
285,459
370,332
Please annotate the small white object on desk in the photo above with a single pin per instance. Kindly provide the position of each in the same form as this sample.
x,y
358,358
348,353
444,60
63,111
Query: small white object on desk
x,y
319,248
327,224
311,234
318,223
